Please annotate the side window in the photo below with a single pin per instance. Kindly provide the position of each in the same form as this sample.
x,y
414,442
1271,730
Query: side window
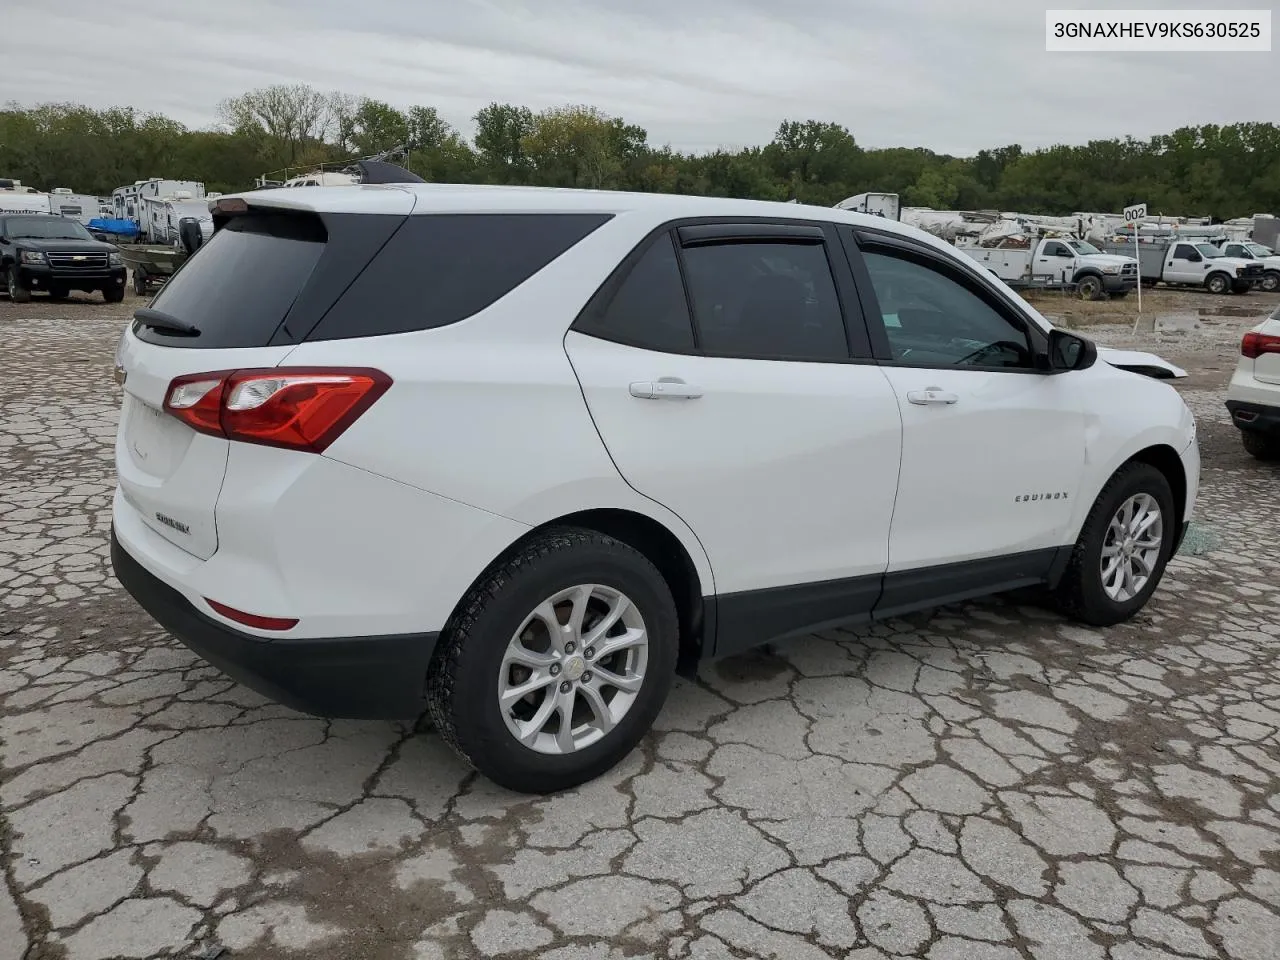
x,y
1183,251
767,300
1236,250
648,309
932,319
1056,250
439,269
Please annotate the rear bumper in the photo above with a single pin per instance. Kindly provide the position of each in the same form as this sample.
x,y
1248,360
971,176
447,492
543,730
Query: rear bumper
x,y
340,677
1255,417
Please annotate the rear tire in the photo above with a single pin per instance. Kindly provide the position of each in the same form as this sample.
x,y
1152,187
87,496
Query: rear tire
x,y
474,663
1083,593
1260,446
139,283
113,294
17,292
1217,283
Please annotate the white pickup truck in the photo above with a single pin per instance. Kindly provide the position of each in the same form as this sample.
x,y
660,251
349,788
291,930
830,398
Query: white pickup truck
x,y
1257,252
1060,262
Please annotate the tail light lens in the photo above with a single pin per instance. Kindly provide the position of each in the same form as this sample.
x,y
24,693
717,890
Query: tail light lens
x,y
1256,344
293,407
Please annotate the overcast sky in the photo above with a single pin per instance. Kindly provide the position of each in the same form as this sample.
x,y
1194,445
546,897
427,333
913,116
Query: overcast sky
x,y
951,75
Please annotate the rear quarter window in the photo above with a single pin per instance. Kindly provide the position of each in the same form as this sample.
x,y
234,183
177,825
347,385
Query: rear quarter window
x,y
441,268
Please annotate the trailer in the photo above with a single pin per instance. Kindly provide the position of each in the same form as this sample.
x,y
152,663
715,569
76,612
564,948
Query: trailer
x,y
15,198
126,201
78,206
160,219
876,204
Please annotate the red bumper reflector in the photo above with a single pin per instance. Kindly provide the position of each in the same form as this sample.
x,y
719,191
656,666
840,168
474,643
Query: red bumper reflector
x,y
252,619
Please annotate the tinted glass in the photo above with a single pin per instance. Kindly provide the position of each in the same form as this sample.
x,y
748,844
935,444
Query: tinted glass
x,y
648,309
1056,250
932,319
1182,251
766,300
442,268
240,285
46,228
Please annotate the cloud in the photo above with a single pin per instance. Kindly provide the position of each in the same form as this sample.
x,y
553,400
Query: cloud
x,y
951,75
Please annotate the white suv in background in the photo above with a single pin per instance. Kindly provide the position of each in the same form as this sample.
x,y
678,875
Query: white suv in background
x,y
518,456
1253,397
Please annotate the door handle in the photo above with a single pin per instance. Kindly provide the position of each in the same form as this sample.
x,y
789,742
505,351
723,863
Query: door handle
x,y
665,390
931,396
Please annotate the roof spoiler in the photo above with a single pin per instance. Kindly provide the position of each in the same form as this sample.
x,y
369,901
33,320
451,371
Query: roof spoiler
x,y
379,171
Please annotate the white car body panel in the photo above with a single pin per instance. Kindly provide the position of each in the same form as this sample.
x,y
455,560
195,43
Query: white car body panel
x,y
808,452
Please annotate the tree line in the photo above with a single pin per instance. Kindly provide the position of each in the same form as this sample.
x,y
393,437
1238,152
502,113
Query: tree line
x,y
1218,171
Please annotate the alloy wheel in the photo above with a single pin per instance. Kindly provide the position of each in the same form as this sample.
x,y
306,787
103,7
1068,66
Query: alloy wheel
x,y
573,670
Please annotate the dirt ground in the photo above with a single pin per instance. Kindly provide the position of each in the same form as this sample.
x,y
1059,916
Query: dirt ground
x,y
983,782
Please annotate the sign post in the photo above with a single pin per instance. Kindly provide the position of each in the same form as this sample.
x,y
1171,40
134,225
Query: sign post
x,y
1133,216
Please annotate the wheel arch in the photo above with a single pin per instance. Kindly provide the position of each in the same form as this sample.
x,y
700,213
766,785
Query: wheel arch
x,y
1166,459
661,547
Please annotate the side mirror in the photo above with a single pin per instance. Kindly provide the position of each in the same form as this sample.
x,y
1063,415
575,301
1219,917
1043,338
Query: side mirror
x,y
1069,352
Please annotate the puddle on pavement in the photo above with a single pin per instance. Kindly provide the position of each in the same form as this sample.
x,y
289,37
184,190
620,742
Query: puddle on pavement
x,y
1226,311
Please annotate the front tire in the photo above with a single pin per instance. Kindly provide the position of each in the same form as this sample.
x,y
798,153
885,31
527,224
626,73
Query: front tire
x,y
113,294
556,663
17,292
1089,288
1217,283
1123,548
1271,281
1260,446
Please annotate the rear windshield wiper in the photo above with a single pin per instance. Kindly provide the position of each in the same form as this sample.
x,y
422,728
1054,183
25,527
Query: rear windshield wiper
x,y
159,320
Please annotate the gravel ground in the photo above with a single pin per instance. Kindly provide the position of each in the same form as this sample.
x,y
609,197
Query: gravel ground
x,y
978,783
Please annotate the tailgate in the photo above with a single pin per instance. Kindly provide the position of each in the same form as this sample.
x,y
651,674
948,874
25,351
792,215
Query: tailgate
x,y
168,472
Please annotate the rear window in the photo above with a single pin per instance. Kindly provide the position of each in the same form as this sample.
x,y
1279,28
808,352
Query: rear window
x,y
442,268
240,285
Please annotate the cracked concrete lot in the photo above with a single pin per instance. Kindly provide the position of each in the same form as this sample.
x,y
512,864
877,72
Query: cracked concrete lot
x,y
979,783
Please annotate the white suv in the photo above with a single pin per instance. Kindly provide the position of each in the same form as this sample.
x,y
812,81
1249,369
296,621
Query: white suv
x,y
1253,397
518,456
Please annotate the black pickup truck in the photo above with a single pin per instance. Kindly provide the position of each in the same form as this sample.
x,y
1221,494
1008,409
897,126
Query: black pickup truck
x,y
55,255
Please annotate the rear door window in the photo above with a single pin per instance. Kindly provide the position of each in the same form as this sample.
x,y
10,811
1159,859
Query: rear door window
x,y
769,301
442,268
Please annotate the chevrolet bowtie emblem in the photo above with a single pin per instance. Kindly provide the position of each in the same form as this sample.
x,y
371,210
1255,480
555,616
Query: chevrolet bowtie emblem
x,y
77,258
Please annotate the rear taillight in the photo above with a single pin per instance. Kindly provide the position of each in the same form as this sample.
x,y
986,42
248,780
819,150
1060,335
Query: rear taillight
x,y
292,407
1256,344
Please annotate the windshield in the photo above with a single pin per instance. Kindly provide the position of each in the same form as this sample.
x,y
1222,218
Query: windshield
x,y
1258,250
46,228
1083,246
1209,251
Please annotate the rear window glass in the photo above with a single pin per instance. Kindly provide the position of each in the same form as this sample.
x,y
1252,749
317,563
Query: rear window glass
x,y
442,268
239,286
